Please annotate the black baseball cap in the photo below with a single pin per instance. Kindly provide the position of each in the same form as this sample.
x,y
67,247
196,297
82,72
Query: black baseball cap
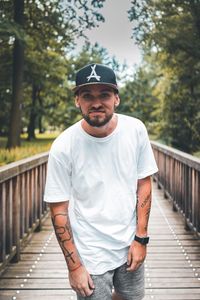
x,y
95,74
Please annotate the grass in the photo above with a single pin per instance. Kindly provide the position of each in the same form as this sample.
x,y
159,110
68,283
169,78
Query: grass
x,y
197,154
41,144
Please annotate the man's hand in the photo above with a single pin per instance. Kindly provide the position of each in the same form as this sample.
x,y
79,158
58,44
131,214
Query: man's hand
x,y
136,256
81,282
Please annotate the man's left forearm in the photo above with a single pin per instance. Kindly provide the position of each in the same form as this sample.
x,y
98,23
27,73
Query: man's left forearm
x,y
137,251
143,206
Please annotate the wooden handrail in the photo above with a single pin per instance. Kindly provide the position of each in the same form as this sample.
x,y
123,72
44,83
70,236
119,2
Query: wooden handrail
x,y
21,207
179,176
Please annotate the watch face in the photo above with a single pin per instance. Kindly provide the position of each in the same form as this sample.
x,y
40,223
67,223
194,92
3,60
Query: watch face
x,y
145,240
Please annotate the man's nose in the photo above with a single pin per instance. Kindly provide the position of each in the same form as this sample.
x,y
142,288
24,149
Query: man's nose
x,y
96,102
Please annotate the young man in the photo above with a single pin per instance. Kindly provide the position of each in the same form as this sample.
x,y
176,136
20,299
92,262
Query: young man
x,y
99,190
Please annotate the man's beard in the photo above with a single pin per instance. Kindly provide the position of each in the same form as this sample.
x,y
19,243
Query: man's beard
x,y
97,121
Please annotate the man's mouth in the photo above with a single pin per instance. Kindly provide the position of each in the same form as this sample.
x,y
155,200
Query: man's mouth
x,y
96,112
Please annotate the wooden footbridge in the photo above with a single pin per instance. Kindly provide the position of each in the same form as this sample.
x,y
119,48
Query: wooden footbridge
x,y
32,265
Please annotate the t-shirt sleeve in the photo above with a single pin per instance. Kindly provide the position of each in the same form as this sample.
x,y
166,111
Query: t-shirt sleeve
x,y
58,181
146,165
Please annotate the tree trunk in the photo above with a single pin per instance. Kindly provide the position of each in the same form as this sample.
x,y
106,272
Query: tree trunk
x,y
41,129
17,84
33,114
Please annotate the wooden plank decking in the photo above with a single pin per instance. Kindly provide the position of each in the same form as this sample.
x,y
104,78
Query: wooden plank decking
x,y
172,266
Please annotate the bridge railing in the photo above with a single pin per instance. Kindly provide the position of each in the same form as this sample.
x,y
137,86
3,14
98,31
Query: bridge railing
x,y
21,206
179,176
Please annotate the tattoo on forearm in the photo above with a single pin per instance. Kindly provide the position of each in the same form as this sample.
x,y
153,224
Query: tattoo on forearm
x,y
137,210
147,217
146,200
146,205
63,234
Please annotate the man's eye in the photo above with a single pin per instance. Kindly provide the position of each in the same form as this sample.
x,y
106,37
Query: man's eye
x,y
105,96
87,96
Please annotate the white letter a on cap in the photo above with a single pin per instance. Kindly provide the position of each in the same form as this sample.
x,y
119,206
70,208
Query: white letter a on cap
x,y
93,74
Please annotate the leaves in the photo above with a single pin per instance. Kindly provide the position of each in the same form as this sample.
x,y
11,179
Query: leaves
x,y
48,33
169,33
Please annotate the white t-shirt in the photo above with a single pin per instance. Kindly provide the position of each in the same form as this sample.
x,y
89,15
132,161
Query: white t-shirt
x,y
99,177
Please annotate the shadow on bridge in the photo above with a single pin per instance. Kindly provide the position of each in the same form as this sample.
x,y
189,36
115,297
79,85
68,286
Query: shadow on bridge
x,y
172,267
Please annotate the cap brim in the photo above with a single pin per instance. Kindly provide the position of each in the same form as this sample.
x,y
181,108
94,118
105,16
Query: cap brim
x,y
76,88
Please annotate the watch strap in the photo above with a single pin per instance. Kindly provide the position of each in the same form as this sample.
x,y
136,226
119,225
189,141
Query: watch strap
x,y
142,240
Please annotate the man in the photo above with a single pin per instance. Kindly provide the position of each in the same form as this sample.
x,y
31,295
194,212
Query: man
x,y
99,189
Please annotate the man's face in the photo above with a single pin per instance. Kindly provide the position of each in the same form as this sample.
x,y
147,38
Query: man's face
x,y
97,104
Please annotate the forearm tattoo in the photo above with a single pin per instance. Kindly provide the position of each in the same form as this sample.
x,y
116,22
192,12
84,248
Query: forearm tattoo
x,y
63,234
147,217
146,206
137,210
146,200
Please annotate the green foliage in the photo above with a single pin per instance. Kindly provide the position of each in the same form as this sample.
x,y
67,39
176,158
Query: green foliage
x,y
27,149
137,98
169,34
50,28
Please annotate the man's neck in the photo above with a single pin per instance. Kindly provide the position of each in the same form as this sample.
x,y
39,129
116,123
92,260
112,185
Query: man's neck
x,y
102,131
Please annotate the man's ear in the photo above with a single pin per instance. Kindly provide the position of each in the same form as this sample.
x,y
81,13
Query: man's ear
x,y
117,100
77,102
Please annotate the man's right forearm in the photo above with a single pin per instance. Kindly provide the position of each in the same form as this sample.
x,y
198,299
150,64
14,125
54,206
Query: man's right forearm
x,y
62,227
80,279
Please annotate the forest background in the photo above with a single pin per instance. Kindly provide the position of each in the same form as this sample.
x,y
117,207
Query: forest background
x,y
38,66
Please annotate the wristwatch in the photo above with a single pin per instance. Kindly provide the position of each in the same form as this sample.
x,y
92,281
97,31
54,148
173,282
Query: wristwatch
x,y
142,240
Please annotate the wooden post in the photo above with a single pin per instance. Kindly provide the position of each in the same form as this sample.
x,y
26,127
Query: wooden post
x,y
2,222
16,218
22,205
39,197
27,200
9,217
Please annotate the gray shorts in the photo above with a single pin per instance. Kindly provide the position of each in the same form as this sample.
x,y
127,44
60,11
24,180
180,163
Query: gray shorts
x,y
128,285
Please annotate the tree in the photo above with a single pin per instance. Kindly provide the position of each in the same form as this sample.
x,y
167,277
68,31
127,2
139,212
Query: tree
x,y
47,26
17,80
168,31
5,85
138,100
